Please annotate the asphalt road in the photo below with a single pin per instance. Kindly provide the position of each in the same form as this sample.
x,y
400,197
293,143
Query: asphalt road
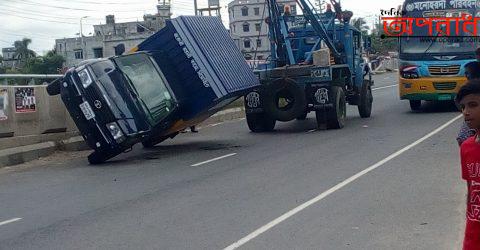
x,y
296,188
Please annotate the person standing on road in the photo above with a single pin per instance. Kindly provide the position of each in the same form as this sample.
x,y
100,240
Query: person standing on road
x,y
469,99
472,71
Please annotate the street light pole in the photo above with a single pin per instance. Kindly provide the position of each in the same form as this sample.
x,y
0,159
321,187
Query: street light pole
x,y
195,7
81,37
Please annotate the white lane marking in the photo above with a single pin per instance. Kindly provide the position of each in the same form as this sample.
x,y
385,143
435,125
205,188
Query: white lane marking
x,y
310,131
384,87
214,159
9,221
340,185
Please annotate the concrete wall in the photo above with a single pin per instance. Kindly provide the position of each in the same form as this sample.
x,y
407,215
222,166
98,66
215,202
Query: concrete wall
x,y
49,121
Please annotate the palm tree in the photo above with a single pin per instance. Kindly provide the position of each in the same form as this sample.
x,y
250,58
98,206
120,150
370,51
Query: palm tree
x,y
360,24
22,52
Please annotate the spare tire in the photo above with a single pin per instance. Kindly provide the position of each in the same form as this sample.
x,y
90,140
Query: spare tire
x,y
285,100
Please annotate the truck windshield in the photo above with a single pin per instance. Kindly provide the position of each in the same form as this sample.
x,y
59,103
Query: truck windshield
x,y
148,84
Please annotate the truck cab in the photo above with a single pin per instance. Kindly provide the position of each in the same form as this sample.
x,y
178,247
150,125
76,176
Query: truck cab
x,y
117,102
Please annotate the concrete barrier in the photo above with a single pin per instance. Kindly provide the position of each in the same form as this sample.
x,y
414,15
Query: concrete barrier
x,y
52,113
32,116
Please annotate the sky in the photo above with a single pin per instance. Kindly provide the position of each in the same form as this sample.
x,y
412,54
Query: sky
x,y
43,21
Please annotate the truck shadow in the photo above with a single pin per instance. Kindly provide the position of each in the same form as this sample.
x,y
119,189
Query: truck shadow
x,y
169,151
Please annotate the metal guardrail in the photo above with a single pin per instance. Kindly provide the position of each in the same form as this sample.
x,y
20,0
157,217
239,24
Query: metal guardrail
x,y
28,79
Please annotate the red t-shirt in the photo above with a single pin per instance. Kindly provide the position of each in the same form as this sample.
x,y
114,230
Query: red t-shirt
x,y
470,157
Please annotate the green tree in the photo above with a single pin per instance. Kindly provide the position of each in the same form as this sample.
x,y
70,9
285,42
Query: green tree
x,y
22,52
382,45
360,24
48,64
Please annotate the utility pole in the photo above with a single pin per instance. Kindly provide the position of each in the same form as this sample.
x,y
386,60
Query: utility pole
x,y
195,5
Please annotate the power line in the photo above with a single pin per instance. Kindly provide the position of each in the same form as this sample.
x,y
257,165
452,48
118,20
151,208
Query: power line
x,y
37,4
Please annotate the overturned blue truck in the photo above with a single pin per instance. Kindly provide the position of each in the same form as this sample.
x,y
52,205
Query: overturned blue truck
x,y
175,79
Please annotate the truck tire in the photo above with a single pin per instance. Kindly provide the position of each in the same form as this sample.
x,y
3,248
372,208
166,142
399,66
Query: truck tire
x,y
54,88
260,123
415,105
99,157
334,117
291,93
365,100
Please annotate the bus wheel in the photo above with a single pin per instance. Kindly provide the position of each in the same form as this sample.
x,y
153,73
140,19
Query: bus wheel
x,y
415,105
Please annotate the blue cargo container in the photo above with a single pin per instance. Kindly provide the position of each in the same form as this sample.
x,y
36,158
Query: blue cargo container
x,y
176,78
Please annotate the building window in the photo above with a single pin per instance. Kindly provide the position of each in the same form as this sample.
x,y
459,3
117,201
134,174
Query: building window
x,y
233,12
256,11
259,43
246,44
245,11
260,57
60,47
140,29
246,27
257,27
98,52
78,54
248,57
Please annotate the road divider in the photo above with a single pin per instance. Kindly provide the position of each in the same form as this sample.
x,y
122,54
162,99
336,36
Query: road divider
x,y
335,188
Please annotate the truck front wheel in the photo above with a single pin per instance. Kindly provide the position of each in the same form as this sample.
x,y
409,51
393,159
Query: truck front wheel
x,y
335,116
260,123
99,157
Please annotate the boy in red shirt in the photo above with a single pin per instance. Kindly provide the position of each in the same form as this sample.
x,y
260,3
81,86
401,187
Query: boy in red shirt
x,y
469,99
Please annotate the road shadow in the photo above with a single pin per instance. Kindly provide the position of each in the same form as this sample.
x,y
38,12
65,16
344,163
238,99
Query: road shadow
x,y
436,107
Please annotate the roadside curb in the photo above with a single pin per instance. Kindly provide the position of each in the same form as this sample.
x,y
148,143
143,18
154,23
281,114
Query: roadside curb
x,y
19,155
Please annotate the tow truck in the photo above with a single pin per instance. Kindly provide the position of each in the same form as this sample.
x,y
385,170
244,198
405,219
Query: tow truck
x,y
315,66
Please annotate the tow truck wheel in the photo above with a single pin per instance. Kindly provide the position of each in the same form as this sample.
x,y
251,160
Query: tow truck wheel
x,y
415,105
366,100
260,123
285,100
335,116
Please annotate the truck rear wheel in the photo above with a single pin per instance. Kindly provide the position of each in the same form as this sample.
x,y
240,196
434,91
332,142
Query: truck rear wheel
x,y
415,105
366,100
260,123
334,117
99,157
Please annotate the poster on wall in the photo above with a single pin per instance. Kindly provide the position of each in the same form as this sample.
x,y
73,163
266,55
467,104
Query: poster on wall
x,y
3,104
25,100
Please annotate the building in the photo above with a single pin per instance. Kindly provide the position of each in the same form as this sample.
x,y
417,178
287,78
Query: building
x,y
248,27
112,38
9,60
